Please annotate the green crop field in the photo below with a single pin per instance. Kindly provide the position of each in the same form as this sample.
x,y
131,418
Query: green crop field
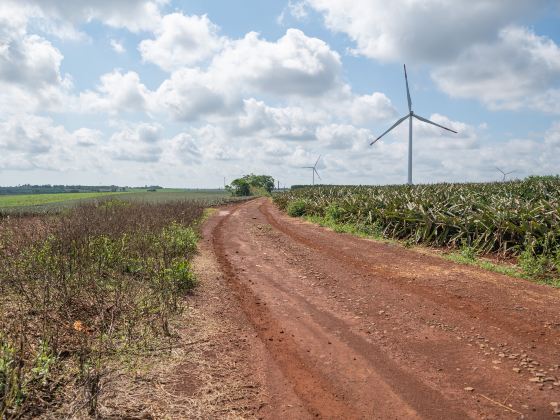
x,y
7,201
518,219
41,203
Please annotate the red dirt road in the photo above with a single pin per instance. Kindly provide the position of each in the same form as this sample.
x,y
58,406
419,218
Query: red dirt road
x,y
353,328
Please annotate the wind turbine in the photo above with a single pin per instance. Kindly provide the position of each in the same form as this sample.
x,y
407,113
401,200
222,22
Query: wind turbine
x,y
504,173
314,167
410,115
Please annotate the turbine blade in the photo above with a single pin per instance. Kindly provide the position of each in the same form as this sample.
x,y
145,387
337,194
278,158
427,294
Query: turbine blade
x,y
433,123
393,126
319,176
500,170
317,161
407,91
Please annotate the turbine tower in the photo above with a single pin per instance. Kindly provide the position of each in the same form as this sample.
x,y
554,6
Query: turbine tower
x,y
314,168
410,115
504,173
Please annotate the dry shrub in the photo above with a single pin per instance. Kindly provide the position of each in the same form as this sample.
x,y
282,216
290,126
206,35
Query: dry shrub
x,y
83,289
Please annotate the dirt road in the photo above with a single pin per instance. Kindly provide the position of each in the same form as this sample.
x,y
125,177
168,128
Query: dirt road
x,y
351,328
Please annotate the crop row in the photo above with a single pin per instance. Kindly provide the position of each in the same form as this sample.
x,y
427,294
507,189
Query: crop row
x,y
509,218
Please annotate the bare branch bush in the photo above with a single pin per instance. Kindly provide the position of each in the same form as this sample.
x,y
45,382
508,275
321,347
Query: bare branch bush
x,y
84,288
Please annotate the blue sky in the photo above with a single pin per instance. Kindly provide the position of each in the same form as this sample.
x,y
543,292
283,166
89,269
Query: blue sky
x,y
183,93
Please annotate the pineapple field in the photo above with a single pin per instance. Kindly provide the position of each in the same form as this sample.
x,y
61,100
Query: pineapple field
x,y
519,219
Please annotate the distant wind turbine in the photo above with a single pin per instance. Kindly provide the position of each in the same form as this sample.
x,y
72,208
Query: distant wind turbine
x,y
410,115
504,173
314,168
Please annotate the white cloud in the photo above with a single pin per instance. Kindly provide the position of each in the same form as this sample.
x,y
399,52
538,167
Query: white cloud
x,y
138,144
287,123
343,137
33,142
117,46
87,137
181,41
189,94
366,108
31,61
419,30
134,15
116,93
296,9
520,69
295,66
30,76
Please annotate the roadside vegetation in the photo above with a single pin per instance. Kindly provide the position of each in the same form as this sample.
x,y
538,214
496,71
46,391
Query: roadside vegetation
x,y
83,293
516,221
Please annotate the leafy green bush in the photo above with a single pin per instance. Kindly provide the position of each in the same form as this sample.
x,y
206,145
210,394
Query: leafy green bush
x,y
251,185
297,208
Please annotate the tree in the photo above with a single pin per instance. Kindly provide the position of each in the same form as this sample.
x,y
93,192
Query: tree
x,y
251,185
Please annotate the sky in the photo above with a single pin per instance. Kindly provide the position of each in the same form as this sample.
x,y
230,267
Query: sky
x,y
187,93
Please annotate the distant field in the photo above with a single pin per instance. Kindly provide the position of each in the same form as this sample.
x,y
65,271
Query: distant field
x,y
40,203
7,201
172,194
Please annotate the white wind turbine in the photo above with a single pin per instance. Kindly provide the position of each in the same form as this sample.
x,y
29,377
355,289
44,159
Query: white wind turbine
x,y
314,168
410,115
504,173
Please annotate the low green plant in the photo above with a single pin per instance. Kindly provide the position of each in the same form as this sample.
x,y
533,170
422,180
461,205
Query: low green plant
x,y
297,208
468,252
333,212
534,265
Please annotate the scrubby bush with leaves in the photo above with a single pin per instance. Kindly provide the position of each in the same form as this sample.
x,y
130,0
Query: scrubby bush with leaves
x,y
296,208
81,288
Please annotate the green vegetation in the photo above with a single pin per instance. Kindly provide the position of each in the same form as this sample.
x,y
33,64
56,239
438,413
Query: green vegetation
x,y
44,203
83,292
515,220
251,185
27,189
40,199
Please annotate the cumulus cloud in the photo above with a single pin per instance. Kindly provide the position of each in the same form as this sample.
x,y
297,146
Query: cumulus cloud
x,y
30,75
343,137
294,65
116,92
34,142
181,41
117,46
288,123
134,15
190,94
295,9
519,69
138,144
427,30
